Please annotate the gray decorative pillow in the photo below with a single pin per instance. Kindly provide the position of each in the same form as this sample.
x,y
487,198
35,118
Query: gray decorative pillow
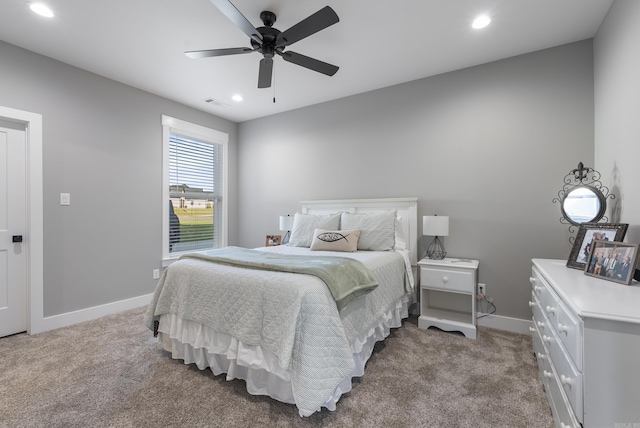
x,y
305,224
377,230
335,240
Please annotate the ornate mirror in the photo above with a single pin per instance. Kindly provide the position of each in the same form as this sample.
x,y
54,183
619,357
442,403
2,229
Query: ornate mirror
x,y
583,204
583,198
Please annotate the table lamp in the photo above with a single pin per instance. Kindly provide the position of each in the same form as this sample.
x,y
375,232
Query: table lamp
x,y
435,225
286,223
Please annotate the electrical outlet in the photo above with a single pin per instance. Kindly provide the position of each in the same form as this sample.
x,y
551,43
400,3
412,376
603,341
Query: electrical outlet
x,y
156,274
482,289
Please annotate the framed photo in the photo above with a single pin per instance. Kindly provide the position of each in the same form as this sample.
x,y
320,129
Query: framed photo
x,y
611,260
273,240
587,232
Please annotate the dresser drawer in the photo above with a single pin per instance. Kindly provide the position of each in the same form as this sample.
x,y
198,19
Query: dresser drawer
x,y
539,319
548,299
559,318
567,375
563,413
539,350
560,406
570,331
449,280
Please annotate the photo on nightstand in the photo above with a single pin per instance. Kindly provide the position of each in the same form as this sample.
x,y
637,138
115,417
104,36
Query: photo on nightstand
x,y
613,261
273,240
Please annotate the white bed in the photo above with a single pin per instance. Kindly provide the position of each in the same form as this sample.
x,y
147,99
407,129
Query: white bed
x,y
282,332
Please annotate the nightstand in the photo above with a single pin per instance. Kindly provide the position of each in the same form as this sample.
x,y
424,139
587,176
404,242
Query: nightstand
x,y
448,295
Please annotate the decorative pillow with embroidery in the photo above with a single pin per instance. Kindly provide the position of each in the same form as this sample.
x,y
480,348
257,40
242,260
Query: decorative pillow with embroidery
x,y
335,240
305,224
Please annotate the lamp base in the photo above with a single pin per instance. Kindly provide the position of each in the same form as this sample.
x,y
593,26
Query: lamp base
x,y
286,237
436,250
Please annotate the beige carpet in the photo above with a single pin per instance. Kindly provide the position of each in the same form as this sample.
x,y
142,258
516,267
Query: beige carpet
x,y
112,373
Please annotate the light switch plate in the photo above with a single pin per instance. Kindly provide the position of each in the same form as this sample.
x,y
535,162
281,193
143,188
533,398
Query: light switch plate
x,y
65,198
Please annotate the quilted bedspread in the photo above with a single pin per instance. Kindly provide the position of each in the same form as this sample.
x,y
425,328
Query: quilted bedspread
x,y
292,315
346,278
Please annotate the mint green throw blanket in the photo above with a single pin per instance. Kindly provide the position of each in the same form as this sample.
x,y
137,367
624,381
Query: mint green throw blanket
x,y
346,278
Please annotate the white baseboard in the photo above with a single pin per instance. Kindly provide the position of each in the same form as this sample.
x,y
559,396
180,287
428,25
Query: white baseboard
x,y
514,325
88,314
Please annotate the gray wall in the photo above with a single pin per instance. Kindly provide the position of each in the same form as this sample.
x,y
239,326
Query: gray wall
x,y
102,142
617,111
488,146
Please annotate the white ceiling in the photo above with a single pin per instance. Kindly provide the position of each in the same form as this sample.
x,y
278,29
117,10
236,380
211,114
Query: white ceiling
x,y
377,43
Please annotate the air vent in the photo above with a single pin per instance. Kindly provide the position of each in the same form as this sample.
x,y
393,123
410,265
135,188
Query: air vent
x,y
215,103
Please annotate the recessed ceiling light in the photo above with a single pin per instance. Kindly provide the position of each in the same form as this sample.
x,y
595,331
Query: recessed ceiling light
x,y
237,98
481,22
41,9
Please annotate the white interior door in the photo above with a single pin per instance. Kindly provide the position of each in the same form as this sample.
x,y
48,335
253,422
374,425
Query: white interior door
x,y
13,255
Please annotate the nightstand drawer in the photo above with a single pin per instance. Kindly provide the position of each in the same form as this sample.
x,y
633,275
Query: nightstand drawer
x,y
449,280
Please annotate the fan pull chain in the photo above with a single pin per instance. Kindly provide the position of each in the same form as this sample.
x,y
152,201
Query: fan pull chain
x,y
274,82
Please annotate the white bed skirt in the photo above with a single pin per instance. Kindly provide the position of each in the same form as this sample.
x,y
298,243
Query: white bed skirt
x,y
259,368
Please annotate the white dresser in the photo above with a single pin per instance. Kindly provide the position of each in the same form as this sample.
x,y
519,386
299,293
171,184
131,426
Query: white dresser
x,y
586,338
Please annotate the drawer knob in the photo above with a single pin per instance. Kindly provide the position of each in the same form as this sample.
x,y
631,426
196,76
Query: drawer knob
x,y
566,380
531,304
445,279
540,356
531,329
547,374
532,280
546,338
563,328
537,288
551,310
540,324
563,425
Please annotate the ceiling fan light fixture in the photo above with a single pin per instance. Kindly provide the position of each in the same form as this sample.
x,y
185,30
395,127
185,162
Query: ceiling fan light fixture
x,y
481,22
41,9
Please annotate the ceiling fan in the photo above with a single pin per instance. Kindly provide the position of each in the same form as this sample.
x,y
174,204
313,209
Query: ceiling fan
x,y
270,41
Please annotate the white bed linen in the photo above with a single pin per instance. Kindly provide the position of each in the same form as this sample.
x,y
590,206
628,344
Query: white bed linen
x,y
364,322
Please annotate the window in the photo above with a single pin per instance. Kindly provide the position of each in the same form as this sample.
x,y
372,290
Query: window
x,y
194,188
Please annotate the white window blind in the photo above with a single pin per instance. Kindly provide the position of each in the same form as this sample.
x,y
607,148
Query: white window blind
x,y
194,190
194,181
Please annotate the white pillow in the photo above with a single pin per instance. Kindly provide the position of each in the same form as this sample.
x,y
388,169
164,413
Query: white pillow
x,y
401,242
335,240
377,230
305,224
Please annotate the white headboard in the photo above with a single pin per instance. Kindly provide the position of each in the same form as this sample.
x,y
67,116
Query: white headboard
x,y
407,209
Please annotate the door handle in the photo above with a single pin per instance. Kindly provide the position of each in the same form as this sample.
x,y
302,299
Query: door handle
x,y
17,238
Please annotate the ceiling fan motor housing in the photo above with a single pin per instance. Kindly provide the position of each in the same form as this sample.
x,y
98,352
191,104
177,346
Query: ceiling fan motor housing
x,y
269,35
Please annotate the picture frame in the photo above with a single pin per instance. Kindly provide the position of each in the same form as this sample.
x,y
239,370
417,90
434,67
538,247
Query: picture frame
x,y
587,232
613,261
273,240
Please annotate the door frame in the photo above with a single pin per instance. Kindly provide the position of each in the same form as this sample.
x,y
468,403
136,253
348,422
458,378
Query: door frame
x,y
34,230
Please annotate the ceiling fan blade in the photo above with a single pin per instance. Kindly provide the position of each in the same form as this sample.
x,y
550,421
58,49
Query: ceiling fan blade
x,y
217,52
310,63
264,74
231,12
320,20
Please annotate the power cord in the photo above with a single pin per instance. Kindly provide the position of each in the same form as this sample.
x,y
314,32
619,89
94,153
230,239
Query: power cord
x,y
482,298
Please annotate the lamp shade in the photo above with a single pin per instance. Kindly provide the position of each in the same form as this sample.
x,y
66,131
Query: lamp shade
x,y
286,222
435,225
